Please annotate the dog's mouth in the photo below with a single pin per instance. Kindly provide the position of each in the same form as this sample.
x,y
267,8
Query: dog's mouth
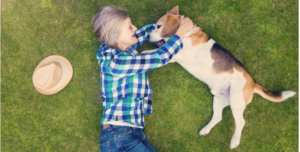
x,y
161,42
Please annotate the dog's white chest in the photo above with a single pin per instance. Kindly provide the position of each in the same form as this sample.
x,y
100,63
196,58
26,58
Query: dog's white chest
x,y
197,60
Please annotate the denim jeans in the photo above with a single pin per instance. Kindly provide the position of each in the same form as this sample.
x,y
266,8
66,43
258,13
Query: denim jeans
x,y
124,139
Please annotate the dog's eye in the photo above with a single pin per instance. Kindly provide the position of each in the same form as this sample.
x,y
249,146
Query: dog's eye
x,y
158,26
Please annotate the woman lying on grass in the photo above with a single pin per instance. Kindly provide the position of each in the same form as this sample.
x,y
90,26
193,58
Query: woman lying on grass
x,y
125,89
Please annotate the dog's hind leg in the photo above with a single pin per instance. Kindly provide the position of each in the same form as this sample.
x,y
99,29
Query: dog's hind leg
x,y
219,103
238,105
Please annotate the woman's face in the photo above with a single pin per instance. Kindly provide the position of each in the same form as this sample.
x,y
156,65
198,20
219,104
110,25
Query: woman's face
x,y
127,37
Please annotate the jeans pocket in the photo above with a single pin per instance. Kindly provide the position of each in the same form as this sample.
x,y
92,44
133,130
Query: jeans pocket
x,y
105,147
125,135
127,130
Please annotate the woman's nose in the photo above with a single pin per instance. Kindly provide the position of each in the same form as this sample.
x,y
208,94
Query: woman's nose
x,y
134,28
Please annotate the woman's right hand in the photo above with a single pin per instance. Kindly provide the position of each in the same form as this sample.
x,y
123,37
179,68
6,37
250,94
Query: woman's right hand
x,y
185,25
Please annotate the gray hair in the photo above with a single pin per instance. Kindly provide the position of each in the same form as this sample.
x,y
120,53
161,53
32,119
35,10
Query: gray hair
x,y
107,24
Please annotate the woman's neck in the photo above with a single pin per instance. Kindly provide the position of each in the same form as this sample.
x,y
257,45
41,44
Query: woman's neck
x,y
123,47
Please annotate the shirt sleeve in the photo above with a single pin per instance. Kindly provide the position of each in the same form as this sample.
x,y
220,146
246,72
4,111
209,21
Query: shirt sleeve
x,y
123,65
143,33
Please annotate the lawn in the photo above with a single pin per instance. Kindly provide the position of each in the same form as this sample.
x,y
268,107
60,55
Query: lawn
x,y
262,34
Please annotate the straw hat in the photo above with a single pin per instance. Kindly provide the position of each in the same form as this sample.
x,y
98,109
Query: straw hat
x,y
52,74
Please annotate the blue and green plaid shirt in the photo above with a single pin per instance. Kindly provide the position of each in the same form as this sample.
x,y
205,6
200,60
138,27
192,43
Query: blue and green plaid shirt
x,y
125,88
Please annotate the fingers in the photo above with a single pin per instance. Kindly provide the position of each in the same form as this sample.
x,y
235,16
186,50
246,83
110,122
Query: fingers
x,y
186,21
185,24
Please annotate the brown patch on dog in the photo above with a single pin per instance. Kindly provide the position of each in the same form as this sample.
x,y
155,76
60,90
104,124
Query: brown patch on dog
x,y
198,37
170,27
162,20
248,88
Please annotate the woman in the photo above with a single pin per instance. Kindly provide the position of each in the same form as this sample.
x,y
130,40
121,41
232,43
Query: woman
x,y
125,89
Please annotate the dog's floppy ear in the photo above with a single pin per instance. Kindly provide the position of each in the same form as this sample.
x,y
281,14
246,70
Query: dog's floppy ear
x,y
171,26
174,10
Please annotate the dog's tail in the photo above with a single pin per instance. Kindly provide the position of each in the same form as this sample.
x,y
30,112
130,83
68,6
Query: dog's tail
x,y
273,96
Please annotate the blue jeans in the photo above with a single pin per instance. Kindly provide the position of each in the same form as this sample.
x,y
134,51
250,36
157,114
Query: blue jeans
x,y
123,138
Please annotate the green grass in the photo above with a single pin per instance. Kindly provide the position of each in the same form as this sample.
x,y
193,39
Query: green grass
x,y
263,35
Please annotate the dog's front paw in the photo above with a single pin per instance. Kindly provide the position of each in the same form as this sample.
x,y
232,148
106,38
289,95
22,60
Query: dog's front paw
x,y
234,143
204,131
148,51
145,52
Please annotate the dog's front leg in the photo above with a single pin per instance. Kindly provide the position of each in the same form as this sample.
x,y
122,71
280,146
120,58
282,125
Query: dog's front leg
x,y
148,51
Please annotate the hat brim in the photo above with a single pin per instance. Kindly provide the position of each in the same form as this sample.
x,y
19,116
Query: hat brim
x,y
69,73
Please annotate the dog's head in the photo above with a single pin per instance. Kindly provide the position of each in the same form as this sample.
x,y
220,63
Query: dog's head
x,y
166,26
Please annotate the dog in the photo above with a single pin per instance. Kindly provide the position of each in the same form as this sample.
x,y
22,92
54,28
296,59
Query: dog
x,y
227,78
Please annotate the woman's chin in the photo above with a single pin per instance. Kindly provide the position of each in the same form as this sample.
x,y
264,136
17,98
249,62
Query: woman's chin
x,y
135,40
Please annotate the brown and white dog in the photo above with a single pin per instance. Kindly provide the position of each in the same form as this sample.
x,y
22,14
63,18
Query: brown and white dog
x,y
228,79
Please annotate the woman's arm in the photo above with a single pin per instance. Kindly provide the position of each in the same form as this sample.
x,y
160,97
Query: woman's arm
x,y
126,65
142,34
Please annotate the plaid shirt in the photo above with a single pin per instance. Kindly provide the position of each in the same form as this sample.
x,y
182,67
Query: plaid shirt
x,y
125,89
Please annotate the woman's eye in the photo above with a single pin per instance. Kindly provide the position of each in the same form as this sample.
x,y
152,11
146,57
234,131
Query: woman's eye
x,y
158,26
